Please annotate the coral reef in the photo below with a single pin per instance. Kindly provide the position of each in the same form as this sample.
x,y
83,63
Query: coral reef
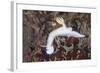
x,y
38,24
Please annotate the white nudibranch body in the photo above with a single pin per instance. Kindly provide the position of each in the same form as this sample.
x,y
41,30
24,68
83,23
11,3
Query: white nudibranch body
x,y
62,31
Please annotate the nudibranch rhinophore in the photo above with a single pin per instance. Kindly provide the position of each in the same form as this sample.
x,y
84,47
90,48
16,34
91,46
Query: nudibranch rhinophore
x,y
62,31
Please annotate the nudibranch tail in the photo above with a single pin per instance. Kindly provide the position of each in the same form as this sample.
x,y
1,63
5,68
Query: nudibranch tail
x,y
76,34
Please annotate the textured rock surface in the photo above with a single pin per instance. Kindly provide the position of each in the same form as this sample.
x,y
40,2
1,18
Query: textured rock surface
x,y
38,24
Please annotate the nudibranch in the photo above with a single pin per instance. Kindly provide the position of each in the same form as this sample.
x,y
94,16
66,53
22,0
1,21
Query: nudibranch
x,y
61,31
